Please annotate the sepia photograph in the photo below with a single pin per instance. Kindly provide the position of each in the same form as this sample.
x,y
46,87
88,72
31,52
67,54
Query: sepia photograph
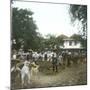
x,y
48,44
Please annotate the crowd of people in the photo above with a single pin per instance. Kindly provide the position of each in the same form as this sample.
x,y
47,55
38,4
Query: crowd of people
x,y
30,59
63,58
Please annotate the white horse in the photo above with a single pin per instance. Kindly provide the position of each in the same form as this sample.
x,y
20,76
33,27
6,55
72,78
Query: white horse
x,y
25,73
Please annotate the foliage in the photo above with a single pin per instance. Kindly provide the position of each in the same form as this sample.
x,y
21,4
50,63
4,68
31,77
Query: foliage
x,y
60,39
76,37
80,12
52,42
24,29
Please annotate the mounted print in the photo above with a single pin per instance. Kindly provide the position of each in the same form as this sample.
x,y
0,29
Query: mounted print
x,y
48,44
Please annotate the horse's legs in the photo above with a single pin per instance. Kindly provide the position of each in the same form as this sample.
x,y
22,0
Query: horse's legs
x,y
28,78
22,79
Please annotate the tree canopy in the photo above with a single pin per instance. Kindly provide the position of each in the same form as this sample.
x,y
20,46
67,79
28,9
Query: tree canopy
x,y
80,12
24,29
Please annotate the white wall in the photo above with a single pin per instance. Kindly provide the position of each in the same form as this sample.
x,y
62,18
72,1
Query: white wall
x,y
66,44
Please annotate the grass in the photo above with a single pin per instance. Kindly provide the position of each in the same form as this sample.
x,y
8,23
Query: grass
x,y
46,68
74,75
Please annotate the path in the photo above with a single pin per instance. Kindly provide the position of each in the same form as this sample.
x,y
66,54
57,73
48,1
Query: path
x,y
75,75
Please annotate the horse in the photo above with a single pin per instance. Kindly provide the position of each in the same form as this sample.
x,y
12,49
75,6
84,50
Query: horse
x,y
25,74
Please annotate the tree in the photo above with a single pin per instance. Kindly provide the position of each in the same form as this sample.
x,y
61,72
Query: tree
x,y
60,39
80,12
50,41
76,37
24,29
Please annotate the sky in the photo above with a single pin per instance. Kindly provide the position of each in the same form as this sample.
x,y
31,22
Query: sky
x,y
51,18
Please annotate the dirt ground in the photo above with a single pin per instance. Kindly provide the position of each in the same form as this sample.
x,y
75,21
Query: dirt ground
x,y
73,75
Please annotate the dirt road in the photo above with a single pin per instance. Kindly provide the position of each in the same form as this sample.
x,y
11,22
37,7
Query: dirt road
x,y
74,75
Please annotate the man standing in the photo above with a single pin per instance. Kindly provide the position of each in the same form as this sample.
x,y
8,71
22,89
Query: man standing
x,y
55,62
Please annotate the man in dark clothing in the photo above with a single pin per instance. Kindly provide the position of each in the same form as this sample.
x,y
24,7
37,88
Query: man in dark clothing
x,y
65,58
45,58
55,62
29,56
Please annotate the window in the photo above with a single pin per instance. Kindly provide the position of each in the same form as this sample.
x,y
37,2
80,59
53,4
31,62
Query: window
x,y
75,43
70,43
